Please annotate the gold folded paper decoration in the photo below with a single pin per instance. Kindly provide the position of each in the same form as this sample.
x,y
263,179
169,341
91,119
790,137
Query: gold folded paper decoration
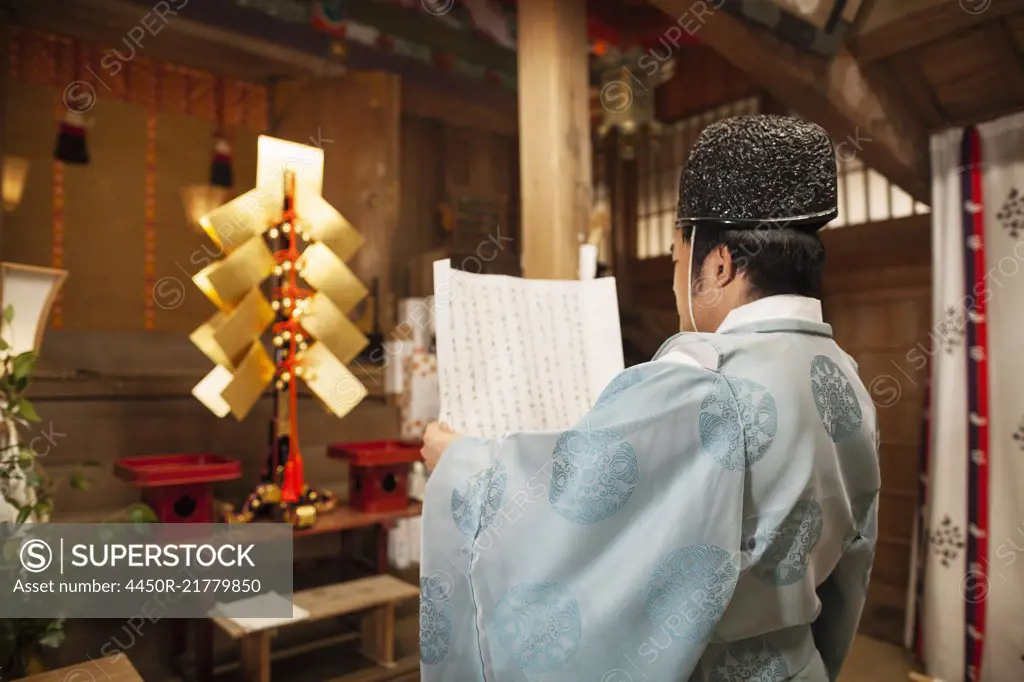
x,y
276,156
327,273
284,228
244,217
331,327
208,391
225,337
330,228
246,386
330,380
203,338
227,281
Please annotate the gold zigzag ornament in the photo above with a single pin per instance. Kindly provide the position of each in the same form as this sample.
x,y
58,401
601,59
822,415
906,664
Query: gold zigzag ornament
x,y
284,229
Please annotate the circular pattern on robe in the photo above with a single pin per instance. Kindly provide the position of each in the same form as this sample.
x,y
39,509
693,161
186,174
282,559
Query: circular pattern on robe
x,y
752,660
835,399
689,589
789,545
475,506
738,422
617,386
593,475
539,625
436,619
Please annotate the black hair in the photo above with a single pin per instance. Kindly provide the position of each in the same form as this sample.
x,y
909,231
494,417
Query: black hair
x,y
775,260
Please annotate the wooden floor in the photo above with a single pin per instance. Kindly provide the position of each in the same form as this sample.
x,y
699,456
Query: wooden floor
x,y
874,661
870,661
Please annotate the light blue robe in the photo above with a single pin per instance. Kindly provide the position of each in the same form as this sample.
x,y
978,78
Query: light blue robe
x,y
712,518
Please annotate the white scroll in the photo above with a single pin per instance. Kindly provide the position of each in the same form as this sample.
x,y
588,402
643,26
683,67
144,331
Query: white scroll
x,y
522,354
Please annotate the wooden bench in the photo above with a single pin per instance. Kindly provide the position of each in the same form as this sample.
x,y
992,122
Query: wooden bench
x,y
375,597
110,669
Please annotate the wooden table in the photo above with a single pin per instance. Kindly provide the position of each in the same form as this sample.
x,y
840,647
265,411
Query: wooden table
x,y
339,520
110,669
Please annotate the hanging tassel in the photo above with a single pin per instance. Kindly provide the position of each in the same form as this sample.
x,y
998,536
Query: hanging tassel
x,y
71,147
221,174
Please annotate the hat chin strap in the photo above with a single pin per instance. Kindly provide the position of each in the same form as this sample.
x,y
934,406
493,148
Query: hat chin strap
x,y
689,278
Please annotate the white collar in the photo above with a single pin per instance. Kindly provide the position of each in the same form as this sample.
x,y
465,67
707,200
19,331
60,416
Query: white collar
x,y
773,308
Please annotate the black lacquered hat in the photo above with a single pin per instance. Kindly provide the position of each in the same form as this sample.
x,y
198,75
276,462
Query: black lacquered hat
x,y
760,171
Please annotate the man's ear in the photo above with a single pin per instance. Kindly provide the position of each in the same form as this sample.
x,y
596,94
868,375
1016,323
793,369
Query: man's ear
x,y
725,266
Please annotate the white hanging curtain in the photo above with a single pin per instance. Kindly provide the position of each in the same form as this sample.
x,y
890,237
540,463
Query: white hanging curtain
x,y
967,594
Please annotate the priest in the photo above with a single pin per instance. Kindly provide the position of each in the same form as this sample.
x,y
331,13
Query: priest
x,y
713,517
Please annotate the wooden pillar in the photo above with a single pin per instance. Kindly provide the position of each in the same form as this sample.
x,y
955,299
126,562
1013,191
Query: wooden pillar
x,y
5,35
621,174
554,135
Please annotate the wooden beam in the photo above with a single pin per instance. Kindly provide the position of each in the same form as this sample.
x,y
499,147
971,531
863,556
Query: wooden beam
x,y
182,40
499,117
877,126
891,27
231,40
905,69
422,29
554,135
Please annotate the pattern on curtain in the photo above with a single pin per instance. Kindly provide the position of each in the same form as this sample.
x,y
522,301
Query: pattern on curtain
x,y
968,586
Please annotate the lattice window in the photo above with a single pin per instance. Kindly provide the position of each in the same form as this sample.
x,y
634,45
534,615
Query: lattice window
x,y
866,196
660,162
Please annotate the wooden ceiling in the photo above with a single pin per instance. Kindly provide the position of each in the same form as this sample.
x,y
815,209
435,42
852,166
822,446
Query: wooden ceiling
x,y
957,63
908,68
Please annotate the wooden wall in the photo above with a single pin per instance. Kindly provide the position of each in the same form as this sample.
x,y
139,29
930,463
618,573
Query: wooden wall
x,y
878,301
117,224
442,159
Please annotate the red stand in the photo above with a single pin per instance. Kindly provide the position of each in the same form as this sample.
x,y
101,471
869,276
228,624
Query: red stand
x,y
378,478
179,488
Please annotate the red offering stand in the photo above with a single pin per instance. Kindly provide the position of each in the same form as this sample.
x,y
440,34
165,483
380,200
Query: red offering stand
x,y
179,488
378,478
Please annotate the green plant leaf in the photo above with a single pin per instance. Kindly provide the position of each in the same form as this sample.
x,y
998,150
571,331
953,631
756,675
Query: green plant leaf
x,y
80,481
8,313
142,513
4,345
27,410
22,365
23,515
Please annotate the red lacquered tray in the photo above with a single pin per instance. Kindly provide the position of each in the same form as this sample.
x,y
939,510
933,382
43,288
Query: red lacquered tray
x,y
147,471
376,452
